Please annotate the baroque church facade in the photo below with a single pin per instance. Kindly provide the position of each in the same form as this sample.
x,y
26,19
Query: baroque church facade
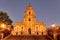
x,y
29,25
30,29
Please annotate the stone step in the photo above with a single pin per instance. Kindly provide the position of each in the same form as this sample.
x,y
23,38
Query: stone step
x,y
32,37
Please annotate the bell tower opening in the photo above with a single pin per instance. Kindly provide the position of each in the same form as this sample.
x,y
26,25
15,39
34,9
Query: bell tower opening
x,y
29,19
29,12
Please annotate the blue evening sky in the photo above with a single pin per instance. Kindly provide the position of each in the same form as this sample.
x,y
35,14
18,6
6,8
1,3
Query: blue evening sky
x,y
47,11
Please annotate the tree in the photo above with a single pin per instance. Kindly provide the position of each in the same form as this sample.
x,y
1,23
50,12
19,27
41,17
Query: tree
x,y
5,18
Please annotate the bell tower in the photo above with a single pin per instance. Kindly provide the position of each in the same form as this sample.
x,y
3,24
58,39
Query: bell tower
x,y
29,14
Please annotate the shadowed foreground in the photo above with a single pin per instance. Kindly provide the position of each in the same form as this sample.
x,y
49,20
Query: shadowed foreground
x,y
26,37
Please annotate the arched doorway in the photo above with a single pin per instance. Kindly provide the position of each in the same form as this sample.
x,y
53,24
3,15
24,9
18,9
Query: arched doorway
x,y
37,33
29,30
58,37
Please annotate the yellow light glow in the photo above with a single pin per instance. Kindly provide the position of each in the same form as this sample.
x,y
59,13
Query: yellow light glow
x,y
3,25
41,25
53,25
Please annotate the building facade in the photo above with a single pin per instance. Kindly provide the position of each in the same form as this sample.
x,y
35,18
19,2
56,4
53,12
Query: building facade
x,y
29,29
29,25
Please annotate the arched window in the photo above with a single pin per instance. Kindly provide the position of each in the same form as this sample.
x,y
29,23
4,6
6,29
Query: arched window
x,y
29,19
29,13
22,30
37,27
37,30
22,27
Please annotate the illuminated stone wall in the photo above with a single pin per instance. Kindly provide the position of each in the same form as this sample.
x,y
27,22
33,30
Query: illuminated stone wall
x,y
29,25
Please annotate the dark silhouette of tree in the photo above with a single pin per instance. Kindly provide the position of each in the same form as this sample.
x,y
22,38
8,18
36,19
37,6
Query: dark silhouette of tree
x,y
5,18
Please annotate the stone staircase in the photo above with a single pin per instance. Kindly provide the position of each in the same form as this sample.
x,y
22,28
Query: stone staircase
x,y
28,37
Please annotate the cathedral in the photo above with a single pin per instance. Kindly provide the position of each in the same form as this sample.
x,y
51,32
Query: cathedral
x,y
29,25
29,28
